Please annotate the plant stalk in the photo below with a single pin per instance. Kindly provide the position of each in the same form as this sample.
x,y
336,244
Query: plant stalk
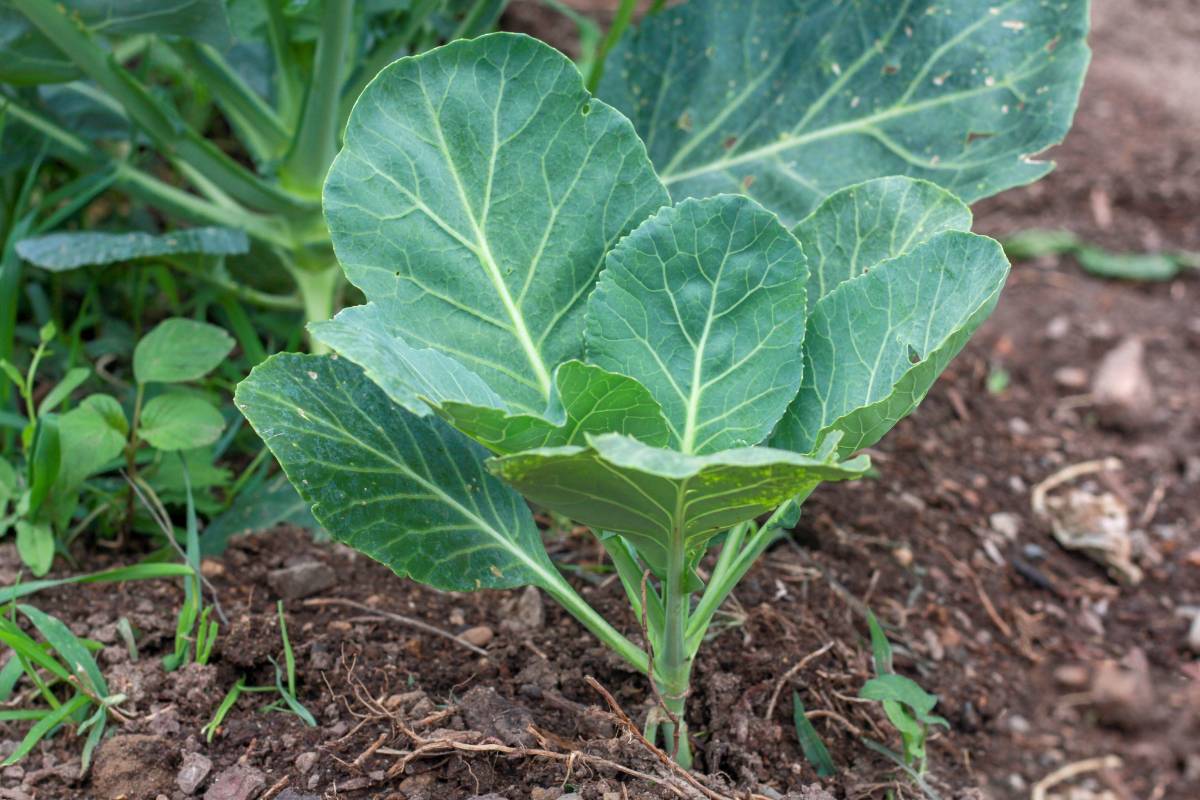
x,y
672,662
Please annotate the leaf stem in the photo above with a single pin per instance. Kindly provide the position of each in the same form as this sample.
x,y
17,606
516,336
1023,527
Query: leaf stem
x,y
576,606
317,137
631,579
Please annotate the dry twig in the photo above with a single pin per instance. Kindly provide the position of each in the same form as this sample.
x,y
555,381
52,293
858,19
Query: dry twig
x,y
1069,771
791,673
409,621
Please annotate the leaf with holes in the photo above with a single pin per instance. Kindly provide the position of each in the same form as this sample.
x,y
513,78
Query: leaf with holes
x,y
791,100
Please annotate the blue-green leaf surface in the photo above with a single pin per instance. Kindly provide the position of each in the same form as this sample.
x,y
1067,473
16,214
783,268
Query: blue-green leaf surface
x,y
857,227
69,250
704,305
790,100
660,498
877,342
408,491
587,400
477,192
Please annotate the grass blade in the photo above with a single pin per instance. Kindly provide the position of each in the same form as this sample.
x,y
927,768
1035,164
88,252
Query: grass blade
x,y
810,741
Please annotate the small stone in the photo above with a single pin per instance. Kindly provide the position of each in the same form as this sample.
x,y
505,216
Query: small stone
x,y
1123,693
479,636
1071,377
1033,552
1018,724
903,556
305,762
13,773
531,610
193,772
1019,427
211,568
1058,327
1121,387
1006,524
1072,676
236,783
302,580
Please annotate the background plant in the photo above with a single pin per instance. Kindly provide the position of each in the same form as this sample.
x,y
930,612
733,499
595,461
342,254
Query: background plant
x,y
667,375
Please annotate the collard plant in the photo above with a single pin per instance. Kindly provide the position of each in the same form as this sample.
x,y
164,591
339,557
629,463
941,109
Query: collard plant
x,y
652,354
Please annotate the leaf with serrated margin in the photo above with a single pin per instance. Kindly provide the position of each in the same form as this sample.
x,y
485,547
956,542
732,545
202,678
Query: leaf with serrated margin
x,y
477,192
409,492
650,495
857,227
412,376
704,305
790,100
877,342
587,400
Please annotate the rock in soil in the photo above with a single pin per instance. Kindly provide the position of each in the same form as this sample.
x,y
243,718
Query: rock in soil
x,y
302,580
236,783
1123,694
134,767
494,716
1121,387
193,772
291,794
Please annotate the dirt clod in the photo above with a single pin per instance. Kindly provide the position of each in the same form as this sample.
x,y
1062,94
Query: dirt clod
x,y
494,716
301,580
239,782
135,767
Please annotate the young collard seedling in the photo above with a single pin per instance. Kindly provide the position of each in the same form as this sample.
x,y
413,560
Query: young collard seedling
x,y
551,319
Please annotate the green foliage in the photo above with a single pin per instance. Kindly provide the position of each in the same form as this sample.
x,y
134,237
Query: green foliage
x,y
810,742
661,374
907,706
64,251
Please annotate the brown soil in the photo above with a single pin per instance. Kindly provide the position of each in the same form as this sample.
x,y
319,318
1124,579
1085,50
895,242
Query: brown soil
x,y
1041,659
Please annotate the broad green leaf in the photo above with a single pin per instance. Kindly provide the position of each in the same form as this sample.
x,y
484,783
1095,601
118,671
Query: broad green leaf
x,y
704,305
791,100
46,461
180,350
414,377
650,495
62,390
407,491
877,342
587,400
59,252
180,422
35,545
8,484
477,192
857,227
901,690
92,435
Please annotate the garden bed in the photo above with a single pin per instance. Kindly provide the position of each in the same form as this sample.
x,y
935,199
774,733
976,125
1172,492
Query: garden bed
x,y
1040,659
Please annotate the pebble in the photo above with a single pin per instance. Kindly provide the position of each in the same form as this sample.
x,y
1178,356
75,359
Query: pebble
x,y
1071,377
1006,523
1121,387
193,772
1018,724
305,762
301,580
903,556
1033,552
479,636
236,783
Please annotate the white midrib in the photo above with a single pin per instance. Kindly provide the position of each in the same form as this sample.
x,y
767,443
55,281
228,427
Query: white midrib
x,y
688,440
484,253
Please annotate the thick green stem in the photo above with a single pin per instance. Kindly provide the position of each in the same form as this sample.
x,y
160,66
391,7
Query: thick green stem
x,y
672,663
566,596
317,138
631,575
318,293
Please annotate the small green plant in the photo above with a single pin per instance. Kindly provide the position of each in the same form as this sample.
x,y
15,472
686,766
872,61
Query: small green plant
x,y
287,693
906,704
58,670
565,308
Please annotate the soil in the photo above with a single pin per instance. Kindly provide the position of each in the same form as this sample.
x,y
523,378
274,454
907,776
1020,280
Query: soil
x,y
1043,658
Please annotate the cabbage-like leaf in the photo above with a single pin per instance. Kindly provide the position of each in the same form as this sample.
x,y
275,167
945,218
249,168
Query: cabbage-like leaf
x,y
588,400
704,305
857,227
790,100
660,498
877,342
408,491
477,192
414,377
59,252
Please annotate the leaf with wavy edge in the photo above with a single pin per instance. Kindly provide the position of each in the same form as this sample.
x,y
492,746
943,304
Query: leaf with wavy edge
x,y
409,492
857,227
414,377
704,305
877,342
790,100
477,192
651,496
587,400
